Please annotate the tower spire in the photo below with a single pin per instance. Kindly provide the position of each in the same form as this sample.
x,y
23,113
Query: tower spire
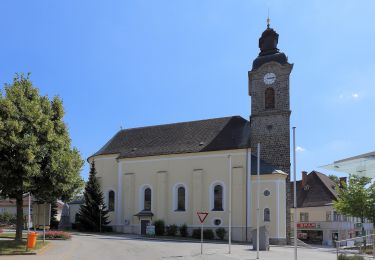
x,y
268,19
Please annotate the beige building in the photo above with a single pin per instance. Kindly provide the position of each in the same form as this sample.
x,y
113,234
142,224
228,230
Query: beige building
x,y
317,220
171,172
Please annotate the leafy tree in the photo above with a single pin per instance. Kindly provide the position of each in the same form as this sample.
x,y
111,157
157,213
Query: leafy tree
x,y
35,148
334,178
89,213
354,198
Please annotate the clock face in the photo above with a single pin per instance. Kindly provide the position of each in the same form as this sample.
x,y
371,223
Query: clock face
x,y
269,78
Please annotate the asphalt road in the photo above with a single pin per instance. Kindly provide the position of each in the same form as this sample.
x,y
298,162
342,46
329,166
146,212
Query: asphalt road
x,y
88,247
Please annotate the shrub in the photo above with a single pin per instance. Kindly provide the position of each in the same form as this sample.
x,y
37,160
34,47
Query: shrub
x,y
208,234
7,219
196,233
348,257
171,230
56,235
183,230
159,227
220,233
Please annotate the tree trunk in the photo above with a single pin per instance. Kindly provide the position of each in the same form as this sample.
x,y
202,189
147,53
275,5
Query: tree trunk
x,y
19,222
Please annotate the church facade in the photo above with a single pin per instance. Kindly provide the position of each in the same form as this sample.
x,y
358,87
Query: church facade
x,y
171,172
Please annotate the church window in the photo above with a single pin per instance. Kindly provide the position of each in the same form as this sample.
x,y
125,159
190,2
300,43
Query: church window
x,y
267,215
147,199
270,98
266,193
218,198
111,200
181,199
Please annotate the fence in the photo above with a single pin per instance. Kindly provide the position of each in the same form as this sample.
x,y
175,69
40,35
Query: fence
x,y
362,247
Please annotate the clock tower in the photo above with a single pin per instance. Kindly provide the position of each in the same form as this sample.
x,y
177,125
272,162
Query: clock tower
x,y
270,108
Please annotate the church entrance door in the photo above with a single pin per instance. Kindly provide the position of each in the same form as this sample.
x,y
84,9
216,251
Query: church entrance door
x,y
144,224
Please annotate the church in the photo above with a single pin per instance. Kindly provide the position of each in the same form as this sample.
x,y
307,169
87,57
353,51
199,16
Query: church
x,y
170,172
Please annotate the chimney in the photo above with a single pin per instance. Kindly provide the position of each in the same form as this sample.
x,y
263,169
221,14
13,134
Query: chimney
x,y
342,180
304,178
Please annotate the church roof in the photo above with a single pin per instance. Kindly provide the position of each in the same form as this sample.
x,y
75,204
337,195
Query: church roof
x,y
225,133
268,49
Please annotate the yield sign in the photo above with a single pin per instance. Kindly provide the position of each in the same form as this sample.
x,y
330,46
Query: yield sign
x,y
202,216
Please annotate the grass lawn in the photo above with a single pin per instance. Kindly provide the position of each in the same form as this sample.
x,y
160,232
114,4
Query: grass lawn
x,y
9,247
12,235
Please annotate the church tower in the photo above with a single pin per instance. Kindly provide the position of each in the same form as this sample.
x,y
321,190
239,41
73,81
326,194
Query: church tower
x,y
270,106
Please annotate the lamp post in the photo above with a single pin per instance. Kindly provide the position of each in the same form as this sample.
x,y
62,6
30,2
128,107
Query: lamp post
x,y
100,217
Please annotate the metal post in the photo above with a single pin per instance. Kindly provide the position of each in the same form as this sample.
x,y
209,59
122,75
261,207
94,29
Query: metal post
x,y
258,195
295,194
230,202
100,221
201,238
44,222
29,217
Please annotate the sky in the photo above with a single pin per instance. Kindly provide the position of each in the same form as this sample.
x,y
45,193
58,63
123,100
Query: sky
x,y
141,62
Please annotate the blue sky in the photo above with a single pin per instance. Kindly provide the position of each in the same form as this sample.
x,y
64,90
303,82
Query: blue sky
x,y
136,63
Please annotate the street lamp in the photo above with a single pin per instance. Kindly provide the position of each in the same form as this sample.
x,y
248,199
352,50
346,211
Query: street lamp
x,y
100,217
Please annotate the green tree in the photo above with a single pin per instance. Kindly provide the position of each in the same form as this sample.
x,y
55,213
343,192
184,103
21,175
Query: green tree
x,y
89,213
35,149
354,198
334,178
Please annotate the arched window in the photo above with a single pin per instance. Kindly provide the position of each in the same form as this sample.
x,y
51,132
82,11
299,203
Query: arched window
x,y
267,215
218,198
270,98
111,200
181,199
147,199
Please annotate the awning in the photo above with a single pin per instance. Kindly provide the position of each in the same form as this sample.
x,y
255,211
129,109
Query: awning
x,y
144,213
361,165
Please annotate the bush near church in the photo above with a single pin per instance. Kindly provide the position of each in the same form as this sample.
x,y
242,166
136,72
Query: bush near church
x,y
171,230
159,227
183,230
207,234
220,233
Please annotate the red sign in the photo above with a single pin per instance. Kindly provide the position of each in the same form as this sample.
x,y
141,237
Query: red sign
x,y
202,216
306,225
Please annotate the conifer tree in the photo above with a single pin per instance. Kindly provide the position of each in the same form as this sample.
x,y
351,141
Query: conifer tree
x,y
89,213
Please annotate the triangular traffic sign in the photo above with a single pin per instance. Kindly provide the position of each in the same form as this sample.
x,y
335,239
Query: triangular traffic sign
x,y
202,216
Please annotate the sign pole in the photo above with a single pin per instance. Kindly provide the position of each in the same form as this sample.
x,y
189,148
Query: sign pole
x,y
258,195
202,216
230,202
201,238
295,194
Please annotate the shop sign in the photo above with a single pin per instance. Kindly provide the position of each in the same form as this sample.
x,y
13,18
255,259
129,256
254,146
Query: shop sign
x,y
306,225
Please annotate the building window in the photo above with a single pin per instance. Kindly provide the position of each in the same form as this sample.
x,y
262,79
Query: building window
x,y
147,199
181,198
267,215
218,198
111,200
270,98
266,193
304,217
